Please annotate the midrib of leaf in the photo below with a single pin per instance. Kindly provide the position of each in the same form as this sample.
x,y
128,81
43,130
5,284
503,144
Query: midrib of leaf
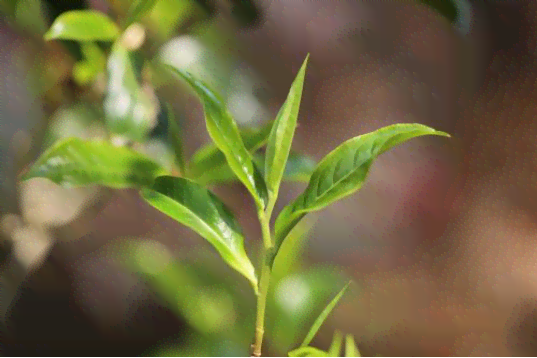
x,y
198,218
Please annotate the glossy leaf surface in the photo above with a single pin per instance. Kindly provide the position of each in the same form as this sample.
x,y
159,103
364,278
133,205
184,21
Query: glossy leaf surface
x,y
196,207
83,25
129,111
281,136
350,347
77,162
225,134
344,170
322,317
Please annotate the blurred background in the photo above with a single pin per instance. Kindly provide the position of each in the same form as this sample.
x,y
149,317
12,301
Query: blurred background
x,y
92,271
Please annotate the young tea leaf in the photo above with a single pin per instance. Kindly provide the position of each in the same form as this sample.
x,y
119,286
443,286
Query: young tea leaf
x,y
175,138
129,110
297,169
77,162
343,171
350,347
83,25
307,352
137,10
281,136
210,157
225,134
202,211
335,346
322,317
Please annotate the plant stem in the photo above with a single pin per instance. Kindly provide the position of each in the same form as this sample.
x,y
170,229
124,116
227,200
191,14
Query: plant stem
x,y
264,283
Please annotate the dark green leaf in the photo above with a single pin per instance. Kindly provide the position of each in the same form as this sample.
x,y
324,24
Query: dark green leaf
x,y
202,211
129,111
335,346
77,162
137,10
350,347
83,25
210,157
308,352
322,317
343,171
225,134
175,138
281,136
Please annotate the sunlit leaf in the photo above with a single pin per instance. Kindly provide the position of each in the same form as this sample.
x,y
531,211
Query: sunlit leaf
x,y
83,25
210,157
129,111
335,346
137,10
176,138
202,211
343,171
350,347
322,317
281,136
225,134
308,352
76,162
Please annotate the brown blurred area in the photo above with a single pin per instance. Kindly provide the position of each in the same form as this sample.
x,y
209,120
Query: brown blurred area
x,y
440,241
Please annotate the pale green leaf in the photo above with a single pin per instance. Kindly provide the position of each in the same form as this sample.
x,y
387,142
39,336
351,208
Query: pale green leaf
x,y
322,317
281,136
335,346
307,352
137,10
343,171
350,347
83,25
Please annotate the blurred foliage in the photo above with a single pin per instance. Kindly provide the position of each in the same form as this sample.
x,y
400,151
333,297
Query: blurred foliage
x,y
97,89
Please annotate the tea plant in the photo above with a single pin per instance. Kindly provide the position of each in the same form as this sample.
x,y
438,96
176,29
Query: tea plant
x,y
233,155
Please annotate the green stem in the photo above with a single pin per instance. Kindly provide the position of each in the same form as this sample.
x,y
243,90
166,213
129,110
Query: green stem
x,y
264,283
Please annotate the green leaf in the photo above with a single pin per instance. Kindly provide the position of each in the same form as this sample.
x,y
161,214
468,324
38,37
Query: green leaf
x,y
129,111
137,10
335,346
281,136
225,134
210,157
175,138
343,171
76,162
298,168
83,25
308,352
350,347
94,62
322,317
202,211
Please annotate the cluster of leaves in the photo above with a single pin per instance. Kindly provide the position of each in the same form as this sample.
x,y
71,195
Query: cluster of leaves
x,y
233,155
